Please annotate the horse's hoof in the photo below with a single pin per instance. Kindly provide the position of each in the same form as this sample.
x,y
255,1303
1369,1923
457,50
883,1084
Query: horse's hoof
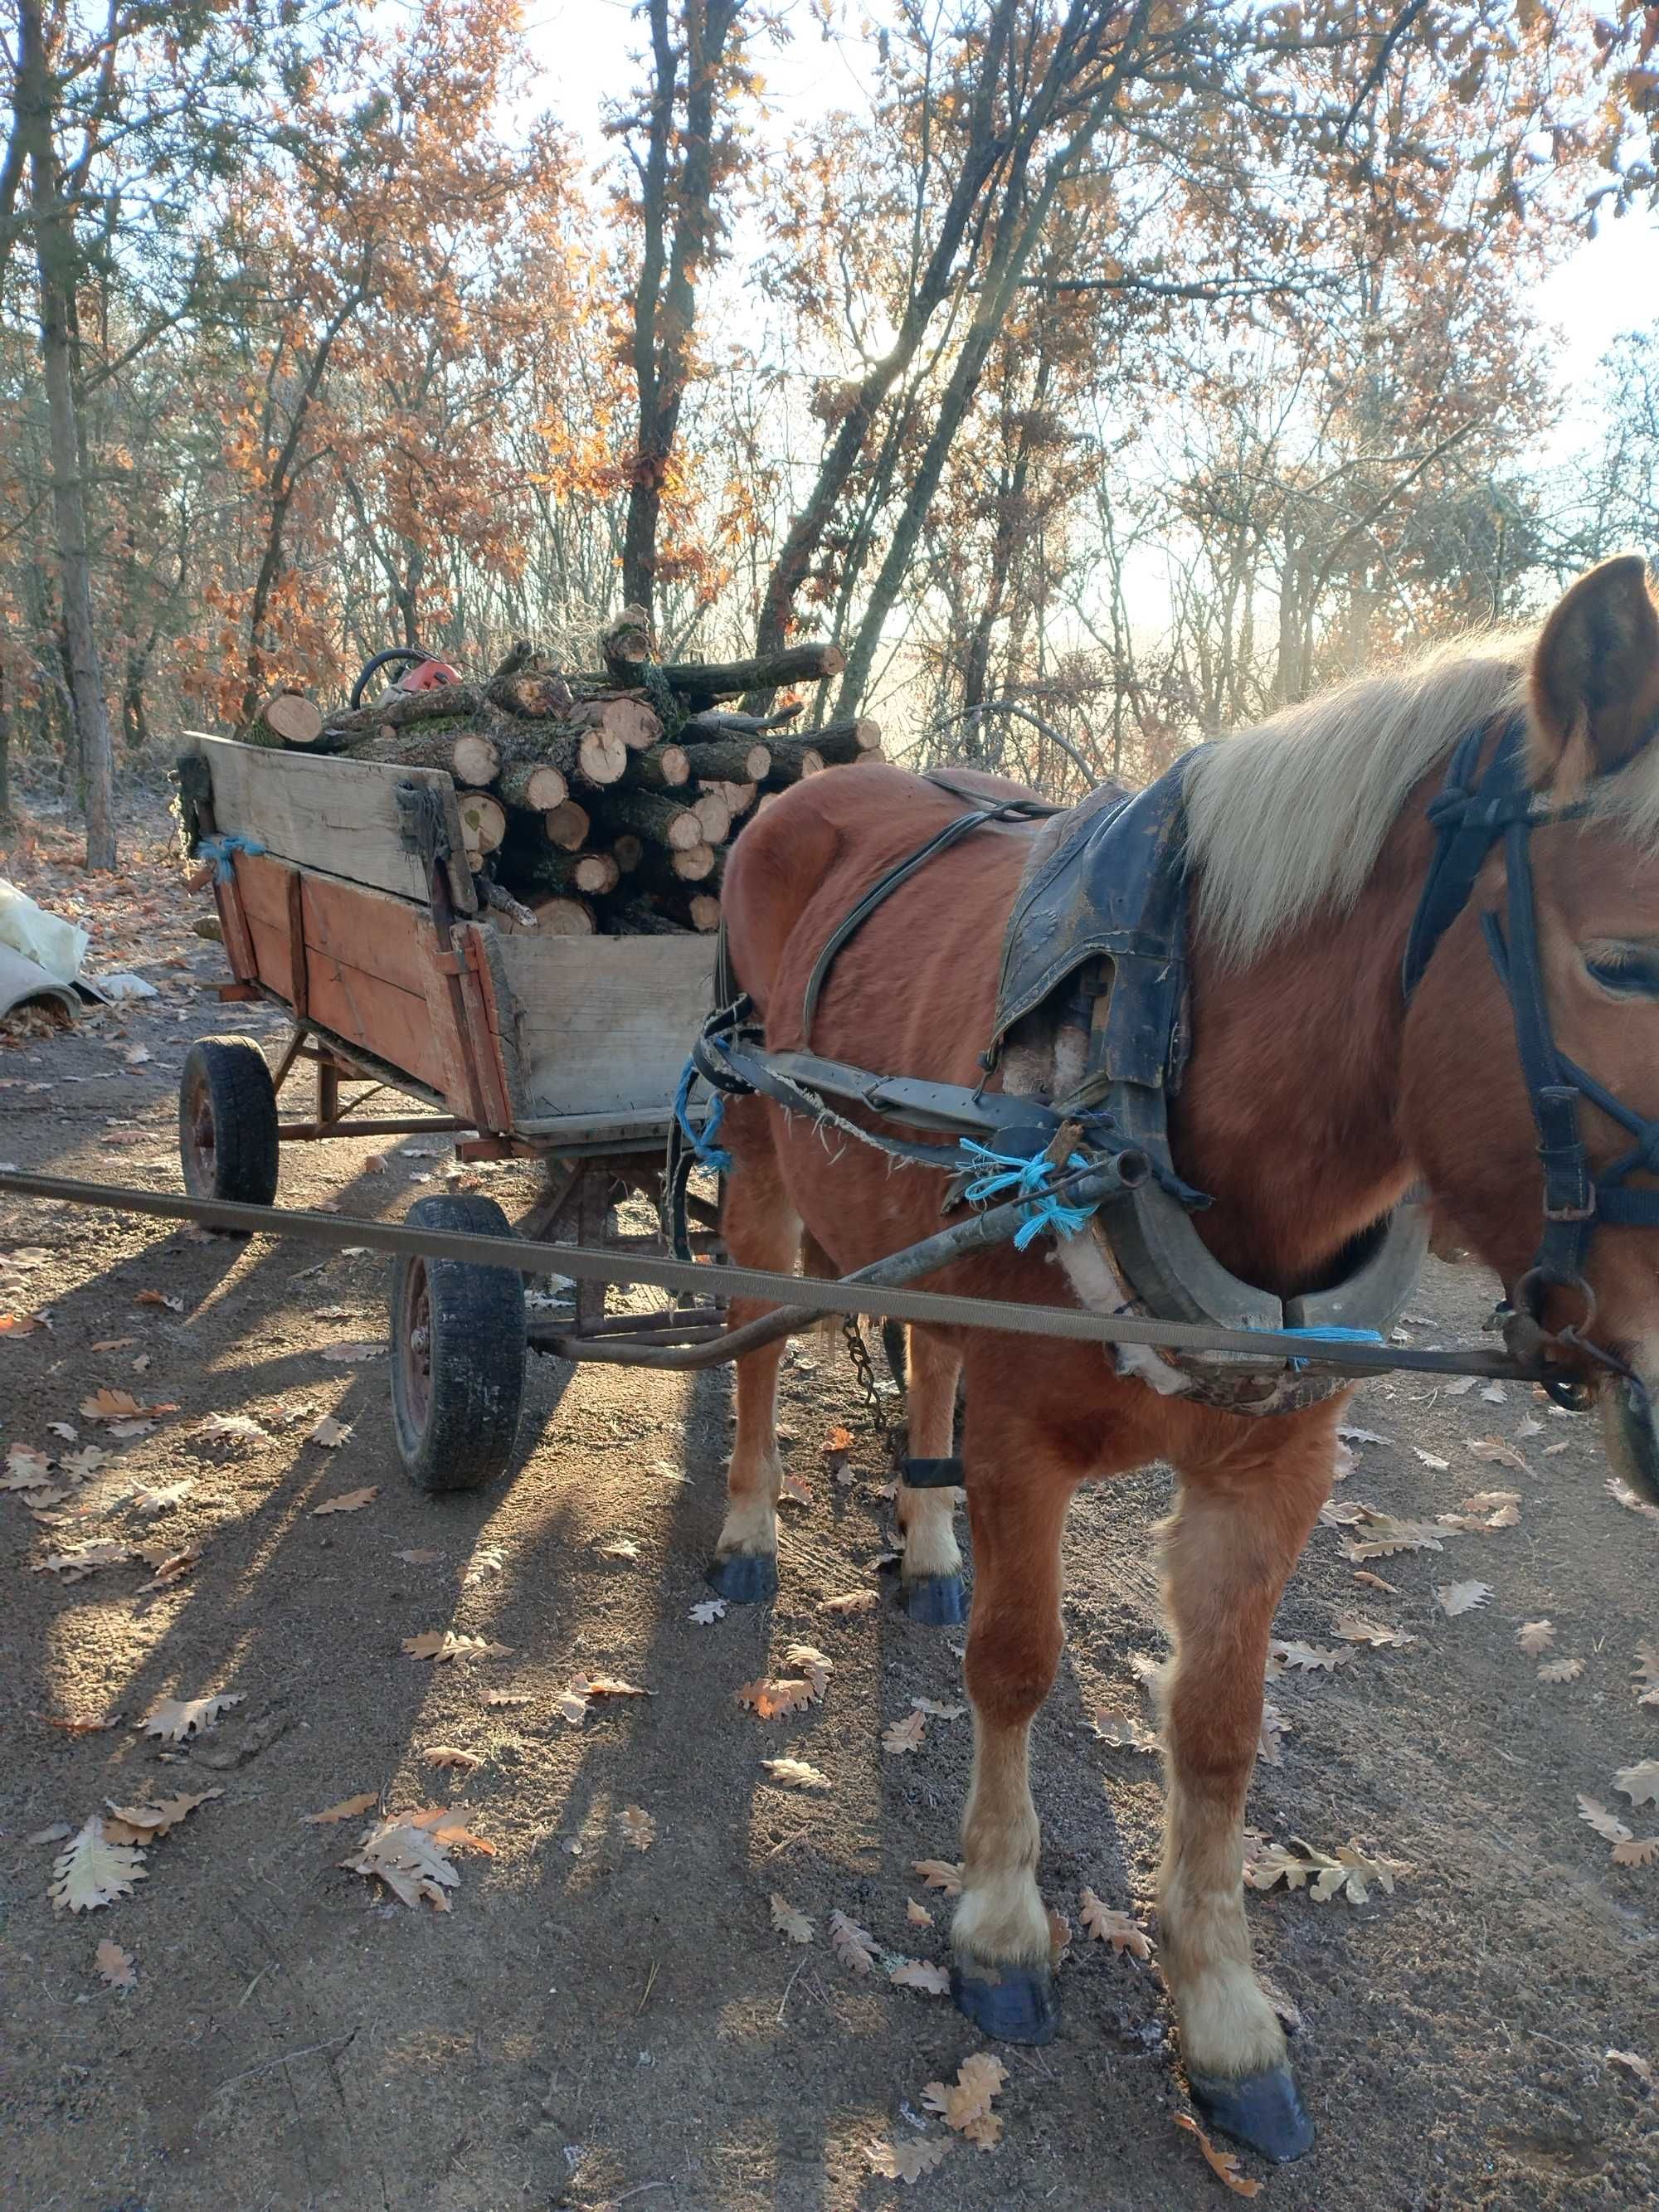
x,y
744,1578
936,1600
1015,2004
1264,2111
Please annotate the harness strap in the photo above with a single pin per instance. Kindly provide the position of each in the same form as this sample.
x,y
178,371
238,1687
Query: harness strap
x,y
933,1474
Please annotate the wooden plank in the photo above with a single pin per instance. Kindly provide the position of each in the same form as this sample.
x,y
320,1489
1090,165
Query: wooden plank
x,y
272,956
395,1026
336,815
603,1024
367,929
296,940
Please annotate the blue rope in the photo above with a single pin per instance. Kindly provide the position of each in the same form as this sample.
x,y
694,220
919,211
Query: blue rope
x,y
1008,1175
220,850
701,1141
1331,1336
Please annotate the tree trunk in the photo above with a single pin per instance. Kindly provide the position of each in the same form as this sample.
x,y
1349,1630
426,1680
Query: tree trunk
x,y
5,751
55,257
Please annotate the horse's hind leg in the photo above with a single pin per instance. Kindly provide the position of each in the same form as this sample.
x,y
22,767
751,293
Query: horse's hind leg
x,y
931,1578
1018,1495
1238,1529
760,1229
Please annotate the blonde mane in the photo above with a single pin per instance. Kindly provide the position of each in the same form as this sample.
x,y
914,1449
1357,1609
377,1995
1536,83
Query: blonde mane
x,y
1290,816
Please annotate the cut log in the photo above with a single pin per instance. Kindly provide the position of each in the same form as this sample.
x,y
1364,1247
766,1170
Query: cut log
x,y
716,722
468,755
501,901
663,768
546,869
397,710
729,759
703,911
630,720
532,693
693,863
657,819
637,918
483,821
567,825
582,754
287,718
835,744
715,816
563,917
703,681
534,784
625,644
789,767
627,851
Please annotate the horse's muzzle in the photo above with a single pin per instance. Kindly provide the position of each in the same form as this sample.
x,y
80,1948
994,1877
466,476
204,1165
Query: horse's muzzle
x,y
1628,1435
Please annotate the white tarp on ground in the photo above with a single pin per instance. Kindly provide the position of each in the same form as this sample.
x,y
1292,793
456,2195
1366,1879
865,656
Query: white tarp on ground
x,y
40,953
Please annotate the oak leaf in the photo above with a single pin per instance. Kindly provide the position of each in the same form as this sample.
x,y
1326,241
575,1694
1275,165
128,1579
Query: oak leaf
x,y
965,2103
906,1734
814,1664
329,1432
1308,1658
115,1966
1455,1598
450,1828
170,1566
1124,1732
175,1720
508,1698
71,1724
921,1974
707,1611
1349,1873
853,1946
410,1860
443,1645
1354,1628
938,1874
906,2159
93,1871
1274,1726
84,1559
1535,1636
938,1711
770,1698
1606,1824
795,1774
1108,1925
623,1548
418,1558
1376,1581
1560,1670
113,1344
1222,2163
450,1755
159,1298
1634,2062
854,1601
1639,1851
639,1826
346,1810
348,1501
145,1824
1640,1783
26,1469
162,1500
918,1916
795,1489
1494,1451
788,1922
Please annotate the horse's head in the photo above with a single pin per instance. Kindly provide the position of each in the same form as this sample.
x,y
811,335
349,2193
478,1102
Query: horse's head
x,y
1531,1097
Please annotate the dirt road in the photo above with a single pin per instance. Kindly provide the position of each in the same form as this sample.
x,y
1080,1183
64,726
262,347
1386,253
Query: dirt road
x,y
592,2025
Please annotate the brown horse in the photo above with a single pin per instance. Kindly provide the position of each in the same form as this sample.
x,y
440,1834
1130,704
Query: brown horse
x,y
1313,1097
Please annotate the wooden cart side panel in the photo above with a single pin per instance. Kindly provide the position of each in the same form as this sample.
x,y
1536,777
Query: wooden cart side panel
x,y
603,1024
336,816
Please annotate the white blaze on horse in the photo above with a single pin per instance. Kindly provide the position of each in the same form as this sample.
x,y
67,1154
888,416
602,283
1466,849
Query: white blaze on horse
x,y
1406,935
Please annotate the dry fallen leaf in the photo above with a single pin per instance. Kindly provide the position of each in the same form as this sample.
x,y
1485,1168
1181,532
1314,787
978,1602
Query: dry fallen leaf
x,y
1606,1824
72,1725
114,1344
408,1859
346,1810
231,1425
854,1601
1310,1658
707,1611
1640,1783
918,1916
572,1704
1536,1636
1634,2062
349,1501
443,1644
329,1431
1560,1670
938,1874
908,2158
638,1827
937,1711
1274,1727
816,1666
1222,2163
1455,1598
119,1406
83,1559
906,1734
175,1720
853,1946
795,1489
1124,1732
26,1469
1354,1628
965,2103
770,1698
1630,1500
788,1922
93,1871
795,1774
159,1298
1495,1451
417,1558
508,1698
449,1754
148,1499
115,1966
170,1566
1639,1851
145,1824
920,1974
624,1548
349,1354
1108,1925
1298,1866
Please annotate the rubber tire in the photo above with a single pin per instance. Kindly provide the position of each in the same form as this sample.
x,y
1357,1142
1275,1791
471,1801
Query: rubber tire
x,y
229,1077
476,1356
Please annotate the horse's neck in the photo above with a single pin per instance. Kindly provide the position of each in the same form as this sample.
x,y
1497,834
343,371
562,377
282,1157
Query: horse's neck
x,y
1288,1116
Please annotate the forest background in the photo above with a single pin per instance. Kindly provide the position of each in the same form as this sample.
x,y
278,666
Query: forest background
x,y
1103,373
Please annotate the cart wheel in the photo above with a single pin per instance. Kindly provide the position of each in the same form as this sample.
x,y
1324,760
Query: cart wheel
x,y
457,1354
228,1121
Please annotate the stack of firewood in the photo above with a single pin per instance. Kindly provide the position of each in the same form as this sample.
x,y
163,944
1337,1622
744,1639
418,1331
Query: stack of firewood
x,y
604,801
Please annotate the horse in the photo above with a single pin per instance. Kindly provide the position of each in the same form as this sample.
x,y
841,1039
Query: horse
x,y
1316,1092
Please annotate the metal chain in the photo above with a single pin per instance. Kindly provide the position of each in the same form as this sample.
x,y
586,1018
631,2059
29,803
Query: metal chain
x,y
859,1353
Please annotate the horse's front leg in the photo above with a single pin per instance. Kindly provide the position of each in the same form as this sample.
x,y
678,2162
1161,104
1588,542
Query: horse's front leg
x,y
1018,1495
762,1230
931,1578
1235,1533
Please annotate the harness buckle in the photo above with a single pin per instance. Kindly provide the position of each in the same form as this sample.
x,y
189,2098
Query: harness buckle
x,y
1571,1212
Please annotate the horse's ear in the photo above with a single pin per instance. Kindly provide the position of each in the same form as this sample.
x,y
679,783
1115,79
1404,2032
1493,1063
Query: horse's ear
x,y
1595,675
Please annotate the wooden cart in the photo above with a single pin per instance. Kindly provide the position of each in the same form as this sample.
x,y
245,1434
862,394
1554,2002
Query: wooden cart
x,y
344,895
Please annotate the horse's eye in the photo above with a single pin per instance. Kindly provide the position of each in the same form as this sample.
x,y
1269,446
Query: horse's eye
x,y
1632,971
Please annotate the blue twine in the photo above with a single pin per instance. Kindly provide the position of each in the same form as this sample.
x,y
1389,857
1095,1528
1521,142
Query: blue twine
x,y
1331,1336
701,1141
220,850
1008,1175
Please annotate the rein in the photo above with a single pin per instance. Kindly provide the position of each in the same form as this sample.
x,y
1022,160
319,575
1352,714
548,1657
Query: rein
x,y
1469,818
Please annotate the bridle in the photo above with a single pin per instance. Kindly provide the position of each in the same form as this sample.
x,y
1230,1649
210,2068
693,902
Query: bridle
x,y
1469,814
